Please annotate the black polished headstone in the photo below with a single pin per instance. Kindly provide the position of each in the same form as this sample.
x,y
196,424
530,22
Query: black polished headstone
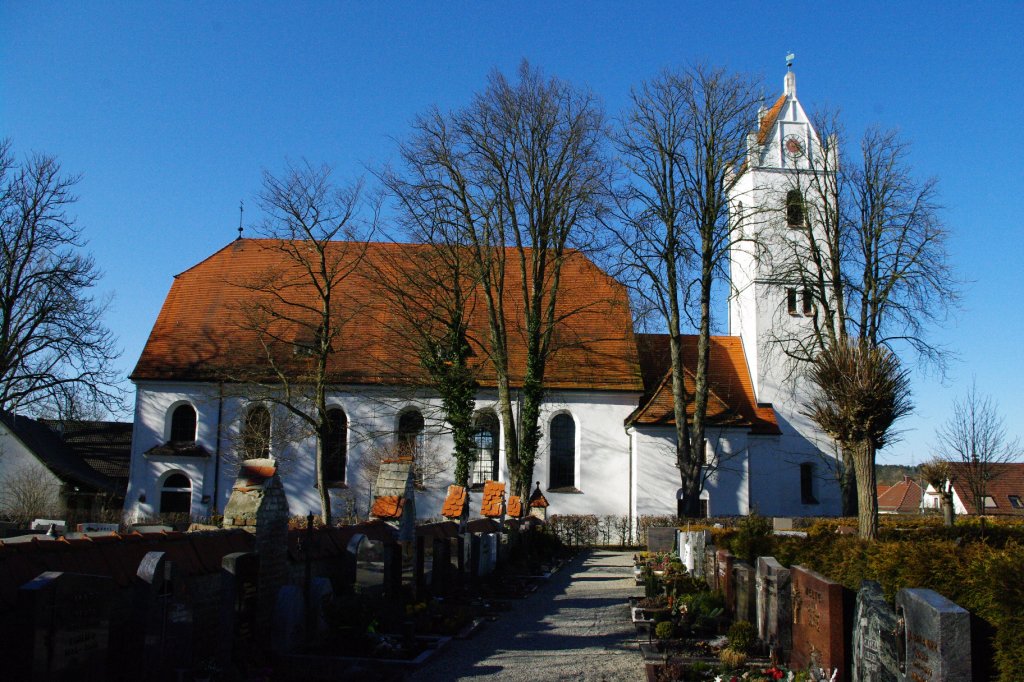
x,y
874,636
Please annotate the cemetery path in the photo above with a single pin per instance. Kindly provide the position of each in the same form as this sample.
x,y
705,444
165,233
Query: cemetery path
x,y
575,626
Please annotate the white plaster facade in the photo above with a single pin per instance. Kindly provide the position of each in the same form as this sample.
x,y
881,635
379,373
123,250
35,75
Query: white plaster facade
x,y
19,462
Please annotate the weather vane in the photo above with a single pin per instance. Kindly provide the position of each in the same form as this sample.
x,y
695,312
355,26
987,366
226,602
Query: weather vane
x,y
789,60
241,212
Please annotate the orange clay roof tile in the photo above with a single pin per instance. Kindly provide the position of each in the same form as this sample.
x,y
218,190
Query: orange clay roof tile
x,y
493,501
455,503
768,122
538,500
388,507
732,401
201,334
902,498
515,506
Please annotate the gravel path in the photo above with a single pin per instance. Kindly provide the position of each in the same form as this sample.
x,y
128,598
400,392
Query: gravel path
x,y
575,626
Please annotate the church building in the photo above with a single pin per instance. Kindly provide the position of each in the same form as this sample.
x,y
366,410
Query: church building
x,y
607,433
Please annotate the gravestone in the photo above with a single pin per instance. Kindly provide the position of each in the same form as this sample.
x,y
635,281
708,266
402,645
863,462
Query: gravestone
x,y
774,605
692,544
163,616
287,628
350,563
711,567
933,637
782,523
725,579
661,539
820,611
392,570
874,636
369,560
744,583
440,565
239,606
64,627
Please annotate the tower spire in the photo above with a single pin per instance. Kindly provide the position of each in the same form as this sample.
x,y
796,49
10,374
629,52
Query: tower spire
x,y
241,212
789,85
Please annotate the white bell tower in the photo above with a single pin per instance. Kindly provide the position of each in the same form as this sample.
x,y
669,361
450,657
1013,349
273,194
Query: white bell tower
x,y
769,205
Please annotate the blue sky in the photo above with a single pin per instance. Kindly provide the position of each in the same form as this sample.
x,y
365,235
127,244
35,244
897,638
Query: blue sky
x,y
171,111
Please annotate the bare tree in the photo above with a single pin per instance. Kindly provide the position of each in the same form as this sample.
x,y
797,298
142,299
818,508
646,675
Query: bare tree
x,y
433,295
53,345
295,307
870,256
683,142
861,392
975,441
28,492
518,173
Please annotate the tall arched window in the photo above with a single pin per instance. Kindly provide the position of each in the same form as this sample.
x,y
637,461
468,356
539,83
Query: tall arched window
x,y
256,433
563,452
485,439
410,433
183,424
335,446
176,495
795,208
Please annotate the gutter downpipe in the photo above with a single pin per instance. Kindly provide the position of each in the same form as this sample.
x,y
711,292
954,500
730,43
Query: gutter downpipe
x,y
216,459
629,436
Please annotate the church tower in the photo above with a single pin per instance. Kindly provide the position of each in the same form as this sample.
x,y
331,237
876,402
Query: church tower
x,y
775,206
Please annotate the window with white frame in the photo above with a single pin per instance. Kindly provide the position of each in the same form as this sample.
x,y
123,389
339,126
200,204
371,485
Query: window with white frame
x,y
563,452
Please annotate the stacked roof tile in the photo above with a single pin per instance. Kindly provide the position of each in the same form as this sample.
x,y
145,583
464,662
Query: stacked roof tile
x,y
515,506
455,503
493,503
387,507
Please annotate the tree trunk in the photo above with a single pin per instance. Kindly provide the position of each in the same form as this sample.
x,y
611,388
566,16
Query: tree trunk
x,y
848,483
948,517
867,494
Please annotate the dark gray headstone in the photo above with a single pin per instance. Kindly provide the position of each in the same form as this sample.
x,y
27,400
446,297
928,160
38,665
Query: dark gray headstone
x,y
744,581
369,562
239,606
874,636
163,615
711,566
288,626
440,565
933,637
65,624
774,605
661,538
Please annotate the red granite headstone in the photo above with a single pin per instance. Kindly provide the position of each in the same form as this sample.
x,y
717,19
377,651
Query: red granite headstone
x,y
819,623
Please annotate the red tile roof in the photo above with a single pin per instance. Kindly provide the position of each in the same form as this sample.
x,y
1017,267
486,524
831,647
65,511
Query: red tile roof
x,y
515,506
731,401
455,503
493,503
902,498
770,116
198,335
1004,480
537,499
388,507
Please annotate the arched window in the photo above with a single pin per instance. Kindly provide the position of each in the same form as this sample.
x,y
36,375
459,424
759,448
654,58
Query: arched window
x,y
256,433
563,452
176,495
335,446
795,208
410,433
485,439
183,424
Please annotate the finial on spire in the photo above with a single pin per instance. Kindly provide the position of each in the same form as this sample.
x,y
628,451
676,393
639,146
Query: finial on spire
x,y
789,84
789,60
241,212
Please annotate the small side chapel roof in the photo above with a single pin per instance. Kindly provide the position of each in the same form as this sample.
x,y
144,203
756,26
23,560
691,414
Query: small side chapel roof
x,y
731,402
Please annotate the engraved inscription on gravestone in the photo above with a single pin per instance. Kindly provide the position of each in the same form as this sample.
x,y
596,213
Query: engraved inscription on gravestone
x,y
933,637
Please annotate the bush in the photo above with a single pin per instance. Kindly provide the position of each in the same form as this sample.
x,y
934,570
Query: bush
x,y
732,659
664,630
742,636
754,537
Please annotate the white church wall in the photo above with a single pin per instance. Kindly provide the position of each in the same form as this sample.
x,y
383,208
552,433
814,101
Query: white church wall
x,y
602,448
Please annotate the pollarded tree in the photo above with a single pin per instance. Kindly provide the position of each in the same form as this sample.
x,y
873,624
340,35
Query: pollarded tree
x,y
938,475
872,255
54,349
683,142
517,176
860,392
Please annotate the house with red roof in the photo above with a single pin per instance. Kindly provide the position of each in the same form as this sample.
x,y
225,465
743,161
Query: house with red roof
x,y
1003,489
607,432
902,498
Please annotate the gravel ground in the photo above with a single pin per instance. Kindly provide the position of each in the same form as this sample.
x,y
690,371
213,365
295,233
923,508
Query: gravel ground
x,y
575,626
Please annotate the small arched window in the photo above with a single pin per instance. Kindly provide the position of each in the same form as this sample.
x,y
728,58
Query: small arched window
x,y
256,433
795,208
563,452
335,446
183,424
485,440
176,495
410,433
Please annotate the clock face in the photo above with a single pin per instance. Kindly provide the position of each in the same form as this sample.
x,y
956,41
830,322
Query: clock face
x,y
793,146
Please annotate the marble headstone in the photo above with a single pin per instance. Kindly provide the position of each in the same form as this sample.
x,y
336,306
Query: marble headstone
x,y
933,637
774,605
874,636
661,539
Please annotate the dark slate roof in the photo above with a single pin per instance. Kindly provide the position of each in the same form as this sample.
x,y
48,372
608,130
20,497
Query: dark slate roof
x,y
71,452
